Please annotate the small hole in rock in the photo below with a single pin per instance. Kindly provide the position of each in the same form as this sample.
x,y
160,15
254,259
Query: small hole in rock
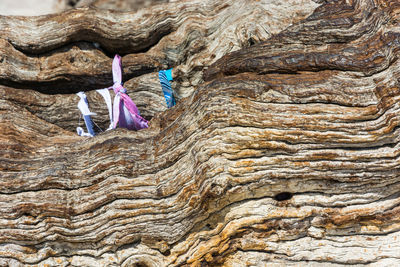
x,y
72,60
72,3
251,41
229,186
167,252
283,196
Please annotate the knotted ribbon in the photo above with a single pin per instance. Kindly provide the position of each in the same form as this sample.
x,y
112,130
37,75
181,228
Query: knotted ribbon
x,y
125,112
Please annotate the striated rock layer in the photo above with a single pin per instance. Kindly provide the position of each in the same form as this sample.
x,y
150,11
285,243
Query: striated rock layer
x,y
283,149
76,47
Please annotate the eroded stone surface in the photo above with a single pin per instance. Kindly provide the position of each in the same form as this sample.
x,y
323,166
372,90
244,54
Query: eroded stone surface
x,y
287,154
190,35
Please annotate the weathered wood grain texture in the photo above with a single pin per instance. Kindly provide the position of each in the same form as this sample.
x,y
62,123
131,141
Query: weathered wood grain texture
x,y
120,5
285,152
74,48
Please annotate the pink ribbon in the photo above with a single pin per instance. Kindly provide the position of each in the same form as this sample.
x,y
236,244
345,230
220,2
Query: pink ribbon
x,y
125,112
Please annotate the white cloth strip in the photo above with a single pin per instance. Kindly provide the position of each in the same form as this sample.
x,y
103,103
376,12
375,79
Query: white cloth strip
x,y
107,98
81,132
83,106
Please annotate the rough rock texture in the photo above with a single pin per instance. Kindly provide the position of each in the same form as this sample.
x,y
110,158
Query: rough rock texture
x,y
43,7
121,5
190,34
283,149
31,7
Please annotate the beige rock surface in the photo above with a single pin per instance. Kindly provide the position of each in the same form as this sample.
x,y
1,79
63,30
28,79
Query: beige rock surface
x,y
31,7
283,149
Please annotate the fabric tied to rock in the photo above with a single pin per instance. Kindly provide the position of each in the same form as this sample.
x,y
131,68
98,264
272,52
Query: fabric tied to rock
x,y
165,76
107,98
125,112
84,108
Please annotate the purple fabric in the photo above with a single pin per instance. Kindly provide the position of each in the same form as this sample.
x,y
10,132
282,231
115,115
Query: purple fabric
x,y
125,112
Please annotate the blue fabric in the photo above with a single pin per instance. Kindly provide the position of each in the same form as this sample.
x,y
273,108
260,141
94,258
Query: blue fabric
x,y
89,124
166,87
88,120
84,109
168,73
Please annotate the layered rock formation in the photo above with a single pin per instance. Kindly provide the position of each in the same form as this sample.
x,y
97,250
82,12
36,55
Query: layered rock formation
x,y
283,148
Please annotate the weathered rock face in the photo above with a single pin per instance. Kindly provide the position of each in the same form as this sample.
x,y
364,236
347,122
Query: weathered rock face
x,y
31,7
121,5
44,7
283,149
